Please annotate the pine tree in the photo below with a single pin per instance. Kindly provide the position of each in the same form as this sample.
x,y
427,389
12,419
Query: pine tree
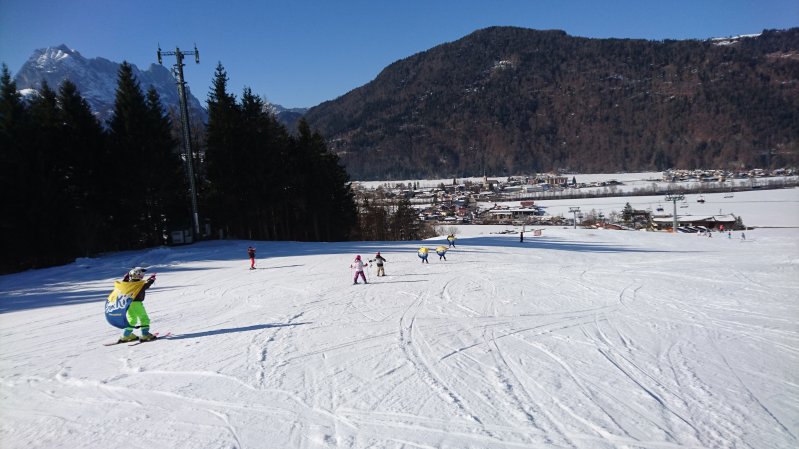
x,y
330,205
627,213
50,168
223,171
14,176
83,143
373,222
127,163
404,222
164,182
264,183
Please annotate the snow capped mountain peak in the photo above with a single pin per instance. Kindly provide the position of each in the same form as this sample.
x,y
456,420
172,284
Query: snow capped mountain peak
x,y
96,79
49,59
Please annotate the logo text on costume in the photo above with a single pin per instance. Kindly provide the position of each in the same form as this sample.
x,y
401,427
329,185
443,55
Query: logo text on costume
x,y
120,303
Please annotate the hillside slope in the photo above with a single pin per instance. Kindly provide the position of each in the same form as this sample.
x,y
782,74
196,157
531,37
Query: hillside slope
x,y
578,338
507,100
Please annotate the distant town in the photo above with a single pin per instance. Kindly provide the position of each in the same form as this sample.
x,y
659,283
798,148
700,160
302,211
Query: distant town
x,y
513,200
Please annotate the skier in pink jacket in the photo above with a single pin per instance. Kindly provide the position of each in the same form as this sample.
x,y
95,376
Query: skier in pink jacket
x,y
358,265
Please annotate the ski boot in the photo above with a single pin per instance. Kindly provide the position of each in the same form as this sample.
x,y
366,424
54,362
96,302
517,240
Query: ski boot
x,y
128,338
148,337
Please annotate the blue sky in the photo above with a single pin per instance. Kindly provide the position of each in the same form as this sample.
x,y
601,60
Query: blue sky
x,y
300,53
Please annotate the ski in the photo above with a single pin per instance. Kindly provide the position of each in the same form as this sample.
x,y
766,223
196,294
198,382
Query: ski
x,y
159,337
134,342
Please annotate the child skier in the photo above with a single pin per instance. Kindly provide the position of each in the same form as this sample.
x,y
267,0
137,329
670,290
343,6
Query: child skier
x,y
358,265
379,260
442,252
422,253
451,240
251,255
125,306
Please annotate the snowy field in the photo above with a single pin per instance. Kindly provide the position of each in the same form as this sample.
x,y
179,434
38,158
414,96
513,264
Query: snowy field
x,y
767,208
630,182
575,339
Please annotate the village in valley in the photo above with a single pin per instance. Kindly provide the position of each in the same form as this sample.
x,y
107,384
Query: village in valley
x,y
528,200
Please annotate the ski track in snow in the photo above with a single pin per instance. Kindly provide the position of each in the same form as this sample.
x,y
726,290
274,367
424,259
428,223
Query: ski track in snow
x,y
576,339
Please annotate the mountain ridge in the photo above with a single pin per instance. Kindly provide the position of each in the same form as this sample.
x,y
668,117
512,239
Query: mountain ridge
x,y
96,80
506,100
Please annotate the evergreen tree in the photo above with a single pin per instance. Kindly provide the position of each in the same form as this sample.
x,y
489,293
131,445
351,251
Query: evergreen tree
x,y
129,161
164,183
271,152
223,171
627,213
264,183
255,198
330,206
16,178
49,168
373,222
404,222
83,142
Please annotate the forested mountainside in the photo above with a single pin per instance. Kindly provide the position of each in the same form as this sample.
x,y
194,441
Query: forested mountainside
x,y
506,100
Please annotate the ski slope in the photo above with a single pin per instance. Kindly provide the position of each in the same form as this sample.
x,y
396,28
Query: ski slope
x,y
574,339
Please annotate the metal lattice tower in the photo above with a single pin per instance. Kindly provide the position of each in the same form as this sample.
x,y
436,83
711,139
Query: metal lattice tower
x,y
177,70
574,210
674,198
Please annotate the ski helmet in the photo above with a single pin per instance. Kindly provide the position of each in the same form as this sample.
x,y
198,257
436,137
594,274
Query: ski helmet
x,y
136,274
358,257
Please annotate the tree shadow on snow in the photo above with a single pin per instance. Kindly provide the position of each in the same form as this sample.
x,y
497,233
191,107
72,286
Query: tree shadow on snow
x,y
51,295
57,286
61,294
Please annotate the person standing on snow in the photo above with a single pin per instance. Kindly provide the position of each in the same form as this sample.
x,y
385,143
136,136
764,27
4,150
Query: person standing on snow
x,y
125,306
451,240
379,260
251,255
442,252
422,253
358,265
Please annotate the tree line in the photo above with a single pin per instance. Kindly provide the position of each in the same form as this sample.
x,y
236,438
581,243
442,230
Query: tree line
x,y
73,187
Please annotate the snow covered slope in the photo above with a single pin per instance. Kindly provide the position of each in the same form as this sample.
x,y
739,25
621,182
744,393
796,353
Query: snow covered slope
x,y
575,339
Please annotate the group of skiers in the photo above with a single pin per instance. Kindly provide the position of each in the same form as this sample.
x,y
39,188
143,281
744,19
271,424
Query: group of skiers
x,y
125,310
423,252
359,265
441,250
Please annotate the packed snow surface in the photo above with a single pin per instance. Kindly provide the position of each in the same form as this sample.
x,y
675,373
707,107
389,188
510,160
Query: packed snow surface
x,y
577,338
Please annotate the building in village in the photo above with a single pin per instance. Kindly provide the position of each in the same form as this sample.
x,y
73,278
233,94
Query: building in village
x,y
715,222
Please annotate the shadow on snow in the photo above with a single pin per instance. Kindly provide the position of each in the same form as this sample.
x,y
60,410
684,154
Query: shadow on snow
x,y
16,293
254,327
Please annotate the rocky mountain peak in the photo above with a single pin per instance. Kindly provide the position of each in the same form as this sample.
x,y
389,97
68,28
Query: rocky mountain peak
x,y
96,79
